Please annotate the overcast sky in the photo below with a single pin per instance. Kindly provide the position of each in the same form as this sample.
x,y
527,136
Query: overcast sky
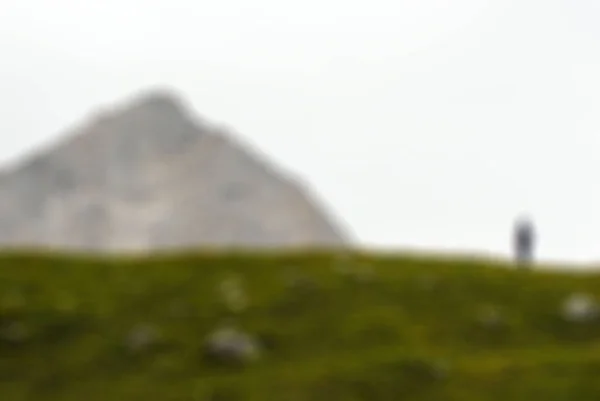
x,y
428,124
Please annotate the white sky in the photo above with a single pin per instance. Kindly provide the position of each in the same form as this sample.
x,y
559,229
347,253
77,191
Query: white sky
x,y
427,124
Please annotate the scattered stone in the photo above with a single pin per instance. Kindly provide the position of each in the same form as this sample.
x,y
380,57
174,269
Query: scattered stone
x,y
438,369
231,346
490,317
580,308
233,295
142,337
15,333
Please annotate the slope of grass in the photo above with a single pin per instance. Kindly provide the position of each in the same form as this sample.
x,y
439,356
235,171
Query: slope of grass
x,y
353,327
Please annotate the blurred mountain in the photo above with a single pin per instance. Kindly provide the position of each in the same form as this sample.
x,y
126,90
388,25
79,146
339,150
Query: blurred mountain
x,y
149,175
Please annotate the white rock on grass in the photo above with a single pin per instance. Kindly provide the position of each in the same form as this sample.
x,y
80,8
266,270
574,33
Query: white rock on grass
x,y
233,295
580,308
15,333
230,345
142,337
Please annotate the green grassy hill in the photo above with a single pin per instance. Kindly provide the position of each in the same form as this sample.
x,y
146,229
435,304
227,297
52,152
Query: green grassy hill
x,y
358,327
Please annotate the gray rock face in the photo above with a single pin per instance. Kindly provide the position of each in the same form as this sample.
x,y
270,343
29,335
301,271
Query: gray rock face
x,y
148,176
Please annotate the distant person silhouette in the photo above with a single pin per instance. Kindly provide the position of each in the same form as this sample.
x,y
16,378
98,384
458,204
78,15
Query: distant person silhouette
x,y
524,241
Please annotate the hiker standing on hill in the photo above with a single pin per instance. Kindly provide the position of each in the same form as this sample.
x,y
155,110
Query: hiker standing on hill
x,y
524,241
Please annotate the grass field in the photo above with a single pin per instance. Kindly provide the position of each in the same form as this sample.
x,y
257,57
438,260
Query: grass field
x,y
327,328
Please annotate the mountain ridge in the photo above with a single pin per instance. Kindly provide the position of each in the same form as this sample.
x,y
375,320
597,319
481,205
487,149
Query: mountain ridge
x,y
120,176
